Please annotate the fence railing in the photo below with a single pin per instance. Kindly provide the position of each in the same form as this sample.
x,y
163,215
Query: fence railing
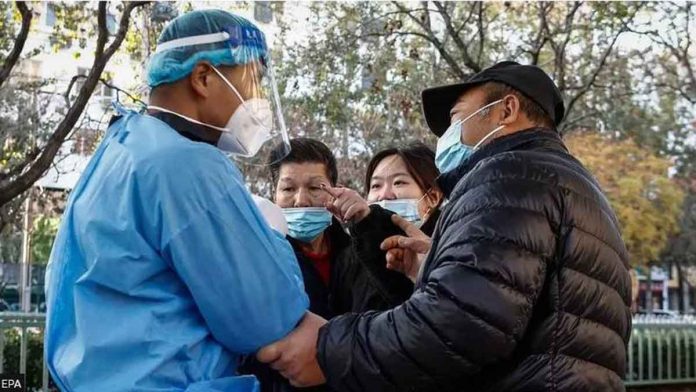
x,y
25,323
662,350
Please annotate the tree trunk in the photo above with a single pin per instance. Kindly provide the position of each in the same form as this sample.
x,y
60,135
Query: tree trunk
x,y
681,284
686,291
648,294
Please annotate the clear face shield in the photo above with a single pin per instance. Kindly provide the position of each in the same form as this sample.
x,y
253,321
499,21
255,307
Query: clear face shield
x,y
255,133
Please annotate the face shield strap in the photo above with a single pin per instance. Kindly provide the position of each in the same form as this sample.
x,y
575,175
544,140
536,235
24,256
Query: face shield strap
x,y
193,40
237,36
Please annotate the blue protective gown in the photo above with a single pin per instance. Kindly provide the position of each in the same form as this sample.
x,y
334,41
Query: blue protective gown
x,y
164,271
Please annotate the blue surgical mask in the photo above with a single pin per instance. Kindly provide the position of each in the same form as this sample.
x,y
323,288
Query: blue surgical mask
x,y
406,208
451,152
306,224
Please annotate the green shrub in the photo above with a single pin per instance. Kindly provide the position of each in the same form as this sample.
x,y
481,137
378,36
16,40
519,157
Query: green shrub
x,y
34,357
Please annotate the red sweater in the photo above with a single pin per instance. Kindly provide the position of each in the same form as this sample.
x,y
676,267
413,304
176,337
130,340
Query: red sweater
x,y
322,262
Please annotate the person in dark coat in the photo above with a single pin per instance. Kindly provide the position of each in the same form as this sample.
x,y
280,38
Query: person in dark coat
x,y
342,272
526,284
399,180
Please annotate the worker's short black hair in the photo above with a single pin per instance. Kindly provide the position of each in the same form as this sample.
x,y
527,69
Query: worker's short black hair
x,y
304,150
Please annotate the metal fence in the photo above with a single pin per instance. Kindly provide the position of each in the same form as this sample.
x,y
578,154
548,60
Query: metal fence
x,y
662,350
25,324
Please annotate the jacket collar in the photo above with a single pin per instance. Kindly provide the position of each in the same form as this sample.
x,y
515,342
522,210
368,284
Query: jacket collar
x,y
523,140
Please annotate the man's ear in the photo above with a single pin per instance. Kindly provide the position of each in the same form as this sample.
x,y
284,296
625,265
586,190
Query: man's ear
x,y
511,110
199,79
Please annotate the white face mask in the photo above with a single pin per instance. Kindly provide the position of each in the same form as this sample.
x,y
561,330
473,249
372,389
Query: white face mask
x,y
247,129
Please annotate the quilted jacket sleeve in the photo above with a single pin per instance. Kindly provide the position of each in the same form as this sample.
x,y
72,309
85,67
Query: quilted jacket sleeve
x,y
471,308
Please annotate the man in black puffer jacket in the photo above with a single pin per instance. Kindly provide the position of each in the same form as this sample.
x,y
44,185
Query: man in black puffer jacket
x,y
526,285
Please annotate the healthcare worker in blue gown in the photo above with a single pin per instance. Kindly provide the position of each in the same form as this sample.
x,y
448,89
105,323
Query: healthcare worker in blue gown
x,y
164,272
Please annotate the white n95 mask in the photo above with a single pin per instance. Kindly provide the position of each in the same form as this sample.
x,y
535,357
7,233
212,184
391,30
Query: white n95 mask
x,y
248,128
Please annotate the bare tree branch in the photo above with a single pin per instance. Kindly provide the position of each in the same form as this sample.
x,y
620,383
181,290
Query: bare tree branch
x,y
466,57
571,122
428,23
679,51
74,79
561,49
390,13
19,42
686,59
688,95
103,31
482,32
123,26
545,10
468,18
10,189
425,25
397,33
422,23
8,212
19,167
386,14
541,38
593,76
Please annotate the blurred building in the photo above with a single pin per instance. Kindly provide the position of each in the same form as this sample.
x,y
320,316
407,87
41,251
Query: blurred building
x,y
663,289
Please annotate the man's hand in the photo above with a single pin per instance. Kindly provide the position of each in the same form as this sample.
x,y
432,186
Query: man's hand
x,y
295,355
347,205
406,254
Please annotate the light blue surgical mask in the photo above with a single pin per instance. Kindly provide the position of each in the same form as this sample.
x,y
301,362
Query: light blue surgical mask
x,y
451,152
406,208
306,223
